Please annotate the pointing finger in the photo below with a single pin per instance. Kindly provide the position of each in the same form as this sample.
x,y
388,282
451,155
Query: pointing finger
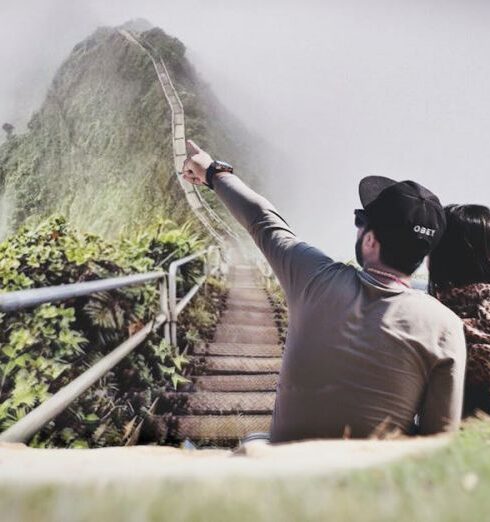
x,y
192,148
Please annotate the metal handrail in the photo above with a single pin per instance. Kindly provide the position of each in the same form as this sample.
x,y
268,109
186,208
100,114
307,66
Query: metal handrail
x,y
176,306
265,271
170,309
26,427
19,299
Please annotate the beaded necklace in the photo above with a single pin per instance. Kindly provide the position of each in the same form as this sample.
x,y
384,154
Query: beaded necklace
x,y
388,275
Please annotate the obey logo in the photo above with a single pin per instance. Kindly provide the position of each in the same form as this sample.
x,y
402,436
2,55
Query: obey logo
x,y
424,230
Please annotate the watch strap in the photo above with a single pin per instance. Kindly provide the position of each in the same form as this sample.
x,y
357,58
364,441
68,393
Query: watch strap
x,y
216,166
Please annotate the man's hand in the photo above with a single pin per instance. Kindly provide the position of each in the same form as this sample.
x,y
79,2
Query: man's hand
x,y
196,164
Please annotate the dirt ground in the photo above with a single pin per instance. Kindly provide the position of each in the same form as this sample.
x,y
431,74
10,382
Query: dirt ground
x,y
21,464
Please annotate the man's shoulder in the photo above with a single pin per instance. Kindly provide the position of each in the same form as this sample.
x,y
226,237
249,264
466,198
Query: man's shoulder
x,y
345,269
427,314
334,275
424,304
419,317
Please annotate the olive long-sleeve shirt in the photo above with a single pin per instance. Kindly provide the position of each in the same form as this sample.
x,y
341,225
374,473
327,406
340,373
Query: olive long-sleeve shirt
x,y
359,354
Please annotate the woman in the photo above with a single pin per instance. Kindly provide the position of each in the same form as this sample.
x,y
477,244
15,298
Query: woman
x,y
459,276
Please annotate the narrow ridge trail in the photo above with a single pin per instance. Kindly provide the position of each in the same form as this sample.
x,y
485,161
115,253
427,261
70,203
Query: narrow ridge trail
x,y
232,390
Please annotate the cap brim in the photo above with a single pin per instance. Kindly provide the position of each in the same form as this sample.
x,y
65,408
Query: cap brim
x,y
371,187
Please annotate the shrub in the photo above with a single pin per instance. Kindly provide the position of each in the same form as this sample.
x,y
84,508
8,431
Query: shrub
x,y
44,348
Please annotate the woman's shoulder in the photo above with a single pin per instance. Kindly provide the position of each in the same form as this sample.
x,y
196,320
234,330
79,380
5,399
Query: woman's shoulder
x,y
468,302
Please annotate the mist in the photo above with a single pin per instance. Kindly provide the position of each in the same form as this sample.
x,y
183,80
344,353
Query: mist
x,y
337,89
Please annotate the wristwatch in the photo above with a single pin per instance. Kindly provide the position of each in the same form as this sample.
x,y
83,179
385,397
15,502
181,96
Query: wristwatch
x,y
216,166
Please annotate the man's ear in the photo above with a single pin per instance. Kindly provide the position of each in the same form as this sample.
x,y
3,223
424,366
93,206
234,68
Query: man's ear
x,y
372,245
370,240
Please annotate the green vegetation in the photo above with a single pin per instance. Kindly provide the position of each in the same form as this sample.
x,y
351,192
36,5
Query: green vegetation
x,y
99,152
45,348
279,305
99,149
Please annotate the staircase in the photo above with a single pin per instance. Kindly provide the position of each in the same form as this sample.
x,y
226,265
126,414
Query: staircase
x,y
234,378
233,383
215,226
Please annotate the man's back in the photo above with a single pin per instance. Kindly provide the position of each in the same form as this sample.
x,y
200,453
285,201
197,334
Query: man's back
x,y
360,355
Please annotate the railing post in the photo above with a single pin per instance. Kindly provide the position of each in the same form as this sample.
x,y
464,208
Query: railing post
x,y
173,332
207,269
266,272
172,302
169,312
164,308
26,427
174,307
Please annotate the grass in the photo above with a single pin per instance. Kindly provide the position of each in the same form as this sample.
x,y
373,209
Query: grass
x,y
451,485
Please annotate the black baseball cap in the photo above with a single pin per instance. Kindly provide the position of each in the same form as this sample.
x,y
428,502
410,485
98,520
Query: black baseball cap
x,y
403,214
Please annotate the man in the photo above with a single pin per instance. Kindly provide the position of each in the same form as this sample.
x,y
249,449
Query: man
x,y
364,351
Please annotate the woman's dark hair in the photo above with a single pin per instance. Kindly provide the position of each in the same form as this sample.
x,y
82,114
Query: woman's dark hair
x,y
462,257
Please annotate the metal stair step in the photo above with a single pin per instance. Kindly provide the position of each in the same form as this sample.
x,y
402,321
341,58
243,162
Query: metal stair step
x,y
245,273
219,428
229,333
245,279
245,382
241,279
242,268
236,305
225,364
200,403
247,317
247,294
239,349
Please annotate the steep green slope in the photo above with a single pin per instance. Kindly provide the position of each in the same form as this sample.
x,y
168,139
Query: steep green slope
x,y
99,149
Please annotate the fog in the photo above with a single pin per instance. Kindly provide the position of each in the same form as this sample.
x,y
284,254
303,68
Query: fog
x,y
338,89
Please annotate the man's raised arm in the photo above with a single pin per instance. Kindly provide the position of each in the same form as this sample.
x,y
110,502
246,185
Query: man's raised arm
x,y
292,260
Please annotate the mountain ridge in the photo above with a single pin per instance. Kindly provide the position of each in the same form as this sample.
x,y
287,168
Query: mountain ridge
x,y
99,148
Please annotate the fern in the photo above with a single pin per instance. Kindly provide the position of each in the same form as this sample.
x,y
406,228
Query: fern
x,y
45,348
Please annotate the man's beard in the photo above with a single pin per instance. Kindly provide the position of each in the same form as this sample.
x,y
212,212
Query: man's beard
x,y
359,257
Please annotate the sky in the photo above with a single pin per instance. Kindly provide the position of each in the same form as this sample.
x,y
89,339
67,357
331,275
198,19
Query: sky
x,y
337,89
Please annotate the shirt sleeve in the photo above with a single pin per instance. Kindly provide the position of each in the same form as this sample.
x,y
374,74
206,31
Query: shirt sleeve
x,y
293,261
443,403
